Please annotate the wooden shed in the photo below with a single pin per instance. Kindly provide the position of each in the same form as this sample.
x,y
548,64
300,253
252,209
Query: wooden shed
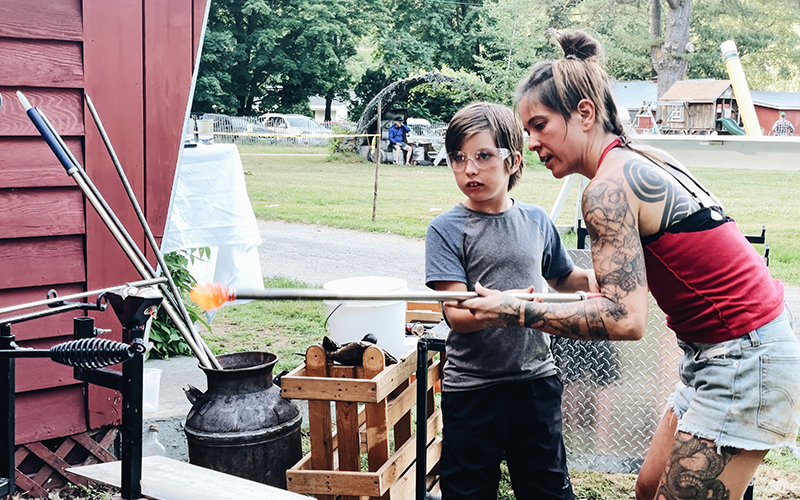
x,y
136,61
694,106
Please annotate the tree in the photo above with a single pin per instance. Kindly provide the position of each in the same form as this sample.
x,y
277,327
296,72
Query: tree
x,y
277,51
669,59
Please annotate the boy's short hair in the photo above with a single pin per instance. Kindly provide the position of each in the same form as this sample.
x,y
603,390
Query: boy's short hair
x,y
500,121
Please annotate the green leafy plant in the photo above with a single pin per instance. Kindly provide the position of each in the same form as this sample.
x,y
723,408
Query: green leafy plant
x,y
165,336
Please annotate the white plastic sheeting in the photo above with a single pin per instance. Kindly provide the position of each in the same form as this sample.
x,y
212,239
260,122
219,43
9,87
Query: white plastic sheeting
x,y
209,207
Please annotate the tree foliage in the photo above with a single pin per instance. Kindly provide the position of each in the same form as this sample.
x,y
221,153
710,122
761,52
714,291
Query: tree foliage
x,y
262,55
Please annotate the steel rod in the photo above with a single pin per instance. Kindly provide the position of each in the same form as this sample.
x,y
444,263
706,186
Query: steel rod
x,y
321,294
52,138
44,302
123,231
178,301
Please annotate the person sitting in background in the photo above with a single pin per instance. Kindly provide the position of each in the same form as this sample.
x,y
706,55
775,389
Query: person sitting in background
x,y
657,126
397,140
783,126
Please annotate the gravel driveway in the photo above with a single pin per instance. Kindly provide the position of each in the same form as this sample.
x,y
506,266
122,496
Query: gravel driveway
x,y
317,254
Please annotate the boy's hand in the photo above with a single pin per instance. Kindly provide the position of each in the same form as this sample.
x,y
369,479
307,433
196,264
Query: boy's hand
x,y
494,308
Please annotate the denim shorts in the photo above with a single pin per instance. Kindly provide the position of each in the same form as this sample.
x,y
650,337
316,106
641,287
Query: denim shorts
x,y
743,393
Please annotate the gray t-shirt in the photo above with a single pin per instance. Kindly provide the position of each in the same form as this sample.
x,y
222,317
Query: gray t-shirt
x,y
510,250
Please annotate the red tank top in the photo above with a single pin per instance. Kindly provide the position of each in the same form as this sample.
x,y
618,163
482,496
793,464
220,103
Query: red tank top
x,y
712,284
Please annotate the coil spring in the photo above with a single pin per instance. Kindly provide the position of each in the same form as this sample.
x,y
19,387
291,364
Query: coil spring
x,y
89,354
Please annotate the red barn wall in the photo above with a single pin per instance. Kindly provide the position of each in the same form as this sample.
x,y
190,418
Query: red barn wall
x,y
135,60
768,116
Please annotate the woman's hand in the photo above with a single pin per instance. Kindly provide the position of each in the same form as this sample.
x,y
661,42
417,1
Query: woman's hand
x,y
494,308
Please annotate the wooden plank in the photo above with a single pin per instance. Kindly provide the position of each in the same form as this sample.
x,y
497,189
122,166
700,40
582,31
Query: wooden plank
x,y
198,20
167,25
319,416
59,325
402,426
423,316
330,483
95,448
41,261
63,107
377,423
388,380
27,484
167,479
347,429
40,63
37,212
423,306
50,413
404,488
41,19
406,455
113,65
34,374
408,398
29,162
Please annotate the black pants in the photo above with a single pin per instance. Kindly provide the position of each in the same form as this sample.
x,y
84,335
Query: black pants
x,y
519,419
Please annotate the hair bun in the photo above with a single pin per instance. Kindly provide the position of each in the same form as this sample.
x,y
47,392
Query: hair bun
x,y
579,45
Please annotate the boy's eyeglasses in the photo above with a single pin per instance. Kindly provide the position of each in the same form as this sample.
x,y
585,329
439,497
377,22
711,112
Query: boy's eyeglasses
x,y
483,158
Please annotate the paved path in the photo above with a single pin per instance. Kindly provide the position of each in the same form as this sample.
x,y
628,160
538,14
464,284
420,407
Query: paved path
x,y
317,254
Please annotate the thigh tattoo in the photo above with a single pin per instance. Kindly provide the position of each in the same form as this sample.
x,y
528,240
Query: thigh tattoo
x,y
693,471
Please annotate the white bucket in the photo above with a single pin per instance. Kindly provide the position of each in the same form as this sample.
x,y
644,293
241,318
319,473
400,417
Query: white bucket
x,y
151,389
350,320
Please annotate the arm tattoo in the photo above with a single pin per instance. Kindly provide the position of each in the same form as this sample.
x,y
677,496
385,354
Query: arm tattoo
x,y
651,185
693,470
583,321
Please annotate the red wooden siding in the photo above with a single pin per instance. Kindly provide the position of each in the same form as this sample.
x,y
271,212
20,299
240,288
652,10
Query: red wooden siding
x,y
28,162
135,60
40,63
50,413
41,19
59,325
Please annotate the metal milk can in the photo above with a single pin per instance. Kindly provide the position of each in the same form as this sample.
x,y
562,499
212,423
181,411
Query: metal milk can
x,y
241,425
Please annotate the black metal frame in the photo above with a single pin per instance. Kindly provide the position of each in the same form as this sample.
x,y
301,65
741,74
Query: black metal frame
x,y
424,345
129,382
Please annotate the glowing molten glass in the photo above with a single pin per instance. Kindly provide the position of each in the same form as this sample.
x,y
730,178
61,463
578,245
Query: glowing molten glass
x,y
210,296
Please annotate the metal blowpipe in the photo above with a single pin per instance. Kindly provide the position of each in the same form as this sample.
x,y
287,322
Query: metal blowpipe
x,y
213,295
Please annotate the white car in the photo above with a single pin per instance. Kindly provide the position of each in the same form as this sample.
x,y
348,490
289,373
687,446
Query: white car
x,y
296,129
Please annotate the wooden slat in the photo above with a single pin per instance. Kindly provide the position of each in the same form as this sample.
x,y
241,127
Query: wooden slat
x,y
40,63
423,316
29,162
346,429
63,107
42,373
406,454
326,483
299,384
167,25
27,484
95,448
58,325
50,413
377,423
113,64
408,398
319,416
167,479
402,427
404,487
41,19
41,261
389,380
37,212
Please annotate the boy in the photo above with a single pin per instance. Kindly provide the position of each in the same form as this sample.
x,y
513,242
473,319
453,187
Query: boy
x,y
501,394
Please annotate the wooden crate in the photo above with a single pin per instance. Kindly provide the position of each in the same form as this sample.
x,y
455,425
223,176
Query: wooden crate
x,y
333,467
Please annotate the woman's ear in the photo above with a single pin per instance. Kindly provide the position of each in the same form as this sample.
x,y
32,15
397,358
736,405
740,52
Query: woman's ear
x,y
586,110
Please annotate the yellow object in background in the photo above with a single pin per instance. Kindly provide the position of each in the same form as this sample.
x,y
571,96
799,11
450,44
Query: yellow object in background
x,y
730,56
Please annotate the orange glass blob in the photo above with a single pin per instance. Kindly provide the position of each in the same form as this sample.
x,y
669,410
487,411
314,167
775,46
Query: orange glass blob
x,y
210,296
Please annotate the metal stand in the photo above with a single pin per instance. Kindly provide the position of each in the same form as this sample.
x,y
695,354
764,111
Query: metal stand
x,y
424,345
89,356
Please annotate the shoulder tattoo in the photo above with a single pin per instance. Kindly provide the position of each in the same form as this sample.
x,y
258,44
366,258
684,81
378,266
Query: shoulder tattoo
x,y
651,185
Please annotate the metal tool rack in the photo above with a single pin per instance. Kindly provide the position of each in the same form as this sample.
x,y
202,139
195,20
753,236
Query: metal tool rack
x,y
89,356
